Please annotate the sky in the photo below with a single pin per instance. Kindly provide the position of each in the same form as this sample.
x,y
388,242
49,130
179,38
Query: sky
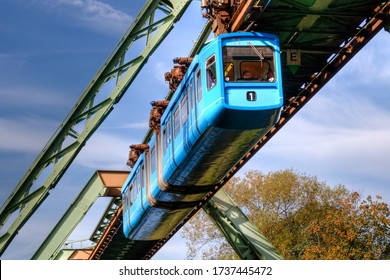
x,y
51,49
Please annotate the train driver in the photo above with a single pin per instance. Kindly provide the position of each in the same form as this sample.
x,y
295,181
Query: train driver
x,y
247,75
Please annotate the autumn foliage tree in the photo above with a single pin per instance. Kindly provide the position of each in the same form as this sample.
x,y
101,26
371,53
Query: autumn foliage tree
x,y
302,217
357,230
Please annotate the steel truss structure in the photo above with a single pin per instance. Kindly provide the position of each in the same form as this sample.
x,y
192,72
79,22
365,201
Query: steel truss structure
x,y
152,25
322,36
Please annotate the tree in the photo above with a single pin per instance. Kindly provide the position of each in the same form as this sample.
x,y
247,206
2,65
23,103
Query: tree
x,y
302,217
356,230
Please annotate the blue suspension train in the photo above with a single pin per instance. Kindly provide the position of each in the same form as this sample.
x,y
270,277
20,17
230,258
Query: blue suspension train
x,y
228,99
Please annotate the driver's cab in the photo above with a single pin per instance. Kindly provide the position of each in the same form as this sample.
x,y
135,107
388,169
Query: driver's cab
x,y
249,63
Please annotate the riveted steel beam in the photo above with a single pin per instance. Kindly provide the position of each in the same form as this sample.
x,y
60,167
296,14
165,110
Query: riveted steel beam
x,y
244,237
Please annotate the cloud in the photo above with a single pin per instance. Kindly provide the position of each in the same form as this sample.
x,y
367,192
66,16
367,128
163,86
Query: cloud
x,y
23,96
340,138
143,125
367,73
338,125
27,134
93,14
105,151
160,69
365,65
96,10
25,244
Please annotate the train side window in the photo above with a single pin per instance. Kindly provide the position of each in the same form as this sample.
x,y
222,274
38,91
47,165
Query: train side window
x,y
184,108
167,135
211,74
176,122
138,184
133,193
165,140
135,186
142,180
191,94
152,160
198,85
127,199
190,101
133,189
169,131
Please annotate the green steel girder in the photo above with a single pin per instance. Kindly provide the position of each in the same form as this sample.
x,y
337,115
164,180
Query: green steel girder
x,y
153,24
64,254
94,189
242,235
106,219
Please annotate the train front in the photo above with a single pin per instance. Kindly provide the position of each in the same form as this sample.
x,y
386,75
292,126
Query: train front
x,y
251,82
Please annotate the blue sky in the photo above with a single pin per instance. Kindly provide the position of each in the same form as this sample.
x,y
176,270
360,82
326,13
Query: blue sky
x,y
51,49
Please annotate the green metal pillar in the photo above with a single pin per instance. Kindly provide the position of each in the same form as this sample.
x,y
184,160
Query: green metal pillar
x,y
152,25
241,234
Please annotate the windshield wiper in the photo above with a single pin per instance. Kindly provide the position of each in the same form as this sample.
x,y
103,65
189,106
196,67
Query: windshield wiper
x,y
256,51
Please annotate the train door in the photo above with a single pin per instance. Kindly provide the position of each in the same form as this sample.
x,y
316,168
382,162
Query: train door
x,y
177,141
151,174
142,189
192,123
132,201
185,121
198,97
167,146
153,164
126,202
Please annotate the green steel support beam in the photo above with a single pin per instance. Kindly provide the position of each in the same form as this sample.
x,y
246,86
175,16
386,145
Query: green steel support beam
x,y
71,218
241,234
96,187
152,25
64,254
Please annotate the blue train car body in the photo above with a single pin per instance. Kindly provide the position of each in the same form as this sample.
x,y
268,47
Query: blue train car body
x,y
229,98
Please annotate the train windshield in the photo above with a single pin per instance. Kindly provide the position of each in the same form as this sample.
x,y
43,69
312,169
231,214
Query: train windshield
x,y
249,64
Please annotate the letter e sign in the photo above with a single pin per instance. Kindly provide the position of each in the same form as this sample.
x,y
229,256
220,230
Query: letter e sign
x,y
293,57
